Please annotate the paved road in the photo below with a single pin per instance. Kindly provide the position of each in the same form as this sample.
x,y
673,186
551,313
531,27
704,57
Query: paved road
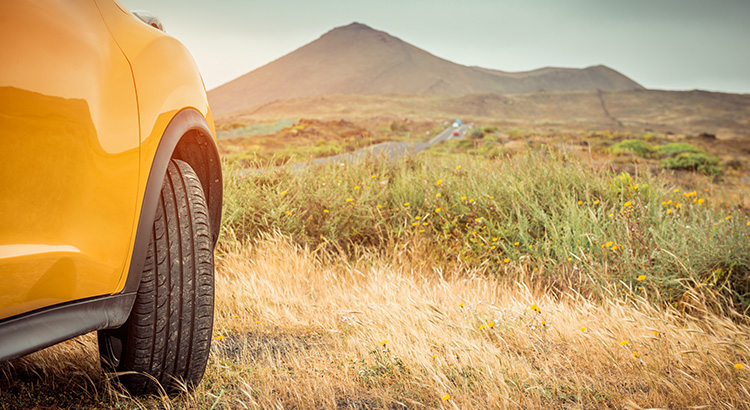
x,y
391,150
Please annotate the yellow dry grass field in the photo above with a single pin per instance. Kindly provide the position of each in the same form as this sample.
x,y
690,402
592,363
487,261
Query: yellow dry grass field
x,y
296,331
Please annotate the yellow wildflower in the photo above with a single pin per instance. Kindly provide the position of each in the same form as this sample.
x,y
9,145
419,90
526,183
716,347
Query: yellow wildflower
x,y
438,195
384,342
628,203
458,167
655,332
494,239
534,307
728,217
283,193
380,206
373,176
611,214
596,202
624,343
288,213
676,191
325,211
516,243
544,322
461,304
356,187
580,202
738,366
700,201
414,224
642,278
219,338
636,355
463,198
437,210
608,244
406,204
439,181
446,397
349,199
506,260
582,329
669,211
491,325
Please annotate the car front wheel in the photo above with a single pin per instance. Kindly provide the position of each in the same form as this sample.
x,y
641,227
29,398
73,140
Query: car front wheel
x,y
165,342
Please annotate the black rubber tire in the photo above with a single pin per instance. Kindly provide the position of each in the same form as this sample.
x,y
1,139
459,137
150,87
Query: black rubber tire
x,y
166,341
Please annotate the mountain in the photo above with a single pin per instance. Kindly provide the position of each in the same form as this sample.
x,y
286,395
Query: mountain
x,y
357,59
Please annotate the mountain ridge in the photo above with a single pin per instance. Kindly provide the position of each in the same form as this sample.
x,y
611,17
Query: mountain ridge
x,y
357,59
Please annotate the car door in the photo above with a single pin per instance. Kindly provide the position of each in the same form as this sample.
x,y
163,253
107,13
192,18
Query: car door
x,y
69,155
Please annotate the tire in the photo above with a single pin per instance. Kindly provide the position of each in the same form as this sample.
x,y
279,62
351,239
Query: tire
x,y
166,340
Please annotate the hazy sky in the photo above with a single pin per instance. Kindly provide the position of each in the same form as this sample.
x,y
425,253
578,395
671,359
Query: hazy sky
x,y
661,44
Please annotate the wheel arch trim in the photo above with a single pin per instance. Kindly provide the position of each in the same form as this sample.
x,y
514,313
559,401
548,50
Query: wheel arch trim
x,y
189,138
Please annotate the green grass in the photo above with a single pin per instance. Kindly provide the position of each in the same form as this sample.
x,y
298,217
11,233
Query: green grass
x,y
554,218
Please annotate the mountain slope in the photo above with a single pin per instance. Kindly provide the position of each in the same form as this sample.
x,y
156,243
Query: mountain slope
x,y
357,59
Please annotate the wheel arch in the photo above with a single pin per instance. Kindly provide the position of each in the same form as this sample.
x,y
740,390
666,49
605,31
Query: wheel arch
x,y
188,138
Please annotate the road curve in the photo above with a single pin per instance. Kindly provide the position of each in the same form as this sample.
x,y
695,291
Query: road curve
x,y
391,150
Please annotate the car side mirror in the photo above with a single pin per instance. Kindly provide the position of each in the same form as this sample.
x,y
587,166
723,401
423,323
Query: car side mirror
x,y
149,18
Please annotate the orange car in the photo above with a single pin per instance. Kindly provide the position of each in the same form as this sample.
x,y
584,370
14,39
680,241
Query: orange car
x,y
110,190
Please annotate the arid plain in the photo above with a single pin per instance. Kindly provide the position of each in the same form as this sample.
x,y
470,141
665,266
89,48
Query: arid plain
x,y
586,244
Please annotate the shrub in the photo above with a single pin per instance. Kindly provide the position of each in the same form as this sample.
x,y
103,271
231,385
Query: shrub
x,y
548,214
637,147
476,133
675,148
691,161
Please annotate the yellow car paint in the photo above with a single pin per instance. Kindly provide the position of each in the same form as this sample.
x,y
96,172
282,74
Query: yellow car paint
x,y
82,109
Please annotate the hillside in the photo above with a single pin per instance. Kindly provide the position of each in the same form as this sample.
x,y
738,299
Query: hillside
x,y
357,59
680,112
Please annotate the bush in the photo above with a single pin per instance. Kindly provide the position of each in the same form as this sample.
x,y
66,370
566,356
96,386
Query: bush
x,y
637,147
550,215
700,162
675,148
476,133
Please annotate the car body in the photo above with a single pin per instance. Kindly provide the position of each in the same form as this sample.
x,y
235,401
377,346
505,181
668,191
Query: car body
x,y
456,133
95,108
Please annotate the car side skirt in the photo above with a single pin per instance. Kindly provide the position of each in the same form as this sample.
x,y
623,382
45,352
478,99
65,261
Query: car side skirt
x,y
27,333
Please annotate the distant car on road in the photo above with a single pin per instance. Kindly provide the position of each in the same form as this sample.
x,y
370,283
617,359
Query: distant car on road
x,y
456,133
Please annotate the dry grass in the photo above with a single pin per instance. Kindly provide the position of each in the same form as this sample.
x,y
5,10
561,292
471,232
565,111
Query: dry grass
x,y
294,331
314,336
